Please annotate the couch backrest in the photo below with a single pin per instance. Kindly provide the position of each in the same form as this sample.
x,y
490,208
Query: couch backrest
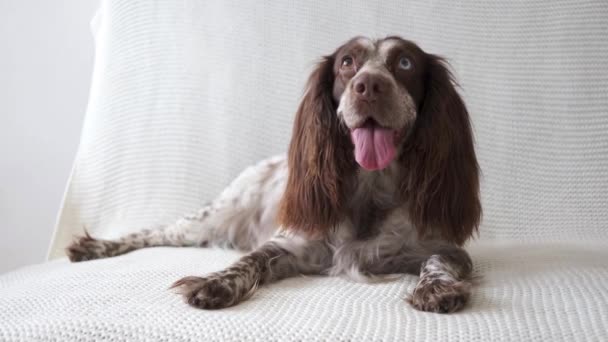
x,y
187,93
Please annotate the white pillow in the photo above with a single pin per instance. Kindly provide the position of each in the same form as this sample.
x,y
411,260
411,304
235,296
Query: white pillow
x,y
187,93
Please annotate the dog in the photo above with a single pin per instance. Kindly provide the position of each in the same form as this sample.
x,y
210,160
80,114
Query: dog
x,y
380,178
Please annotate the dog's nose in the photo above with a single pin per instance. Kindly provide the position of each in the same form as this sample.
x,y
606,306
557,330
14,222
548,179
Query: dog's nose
x,y
369,86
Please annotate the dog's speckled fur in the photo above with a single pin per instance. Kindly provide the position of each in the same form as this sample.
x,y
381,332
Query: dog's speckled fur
x,y
316,212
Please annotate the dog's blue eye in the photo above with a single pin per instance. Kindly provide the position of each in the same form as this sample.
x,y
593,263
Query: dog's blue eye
x,y
405,63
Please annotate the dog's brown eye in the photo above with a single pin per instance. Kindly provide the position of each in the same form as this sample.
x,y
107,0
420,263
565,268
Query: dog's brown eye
x,y
405,63
347,61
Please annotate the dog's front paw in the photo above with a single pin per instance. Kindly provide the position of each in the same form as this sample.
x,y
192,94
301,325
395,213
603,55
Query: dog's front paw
x,y
85,248
213,292
440,295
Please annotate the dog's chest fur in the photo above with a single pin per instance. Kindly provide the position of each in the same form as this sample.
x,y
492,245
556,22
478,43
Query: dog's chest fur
x,y
373,198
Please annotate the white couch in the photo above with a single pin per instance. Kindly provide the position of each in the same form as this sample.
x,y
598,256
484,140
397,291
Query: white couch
x,y
185,94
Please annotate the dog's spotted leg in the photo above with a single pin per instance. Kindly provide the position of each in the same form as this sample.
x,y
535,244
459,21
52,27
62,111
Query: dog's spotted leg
x,y
445,281
236,218
185,232
278,259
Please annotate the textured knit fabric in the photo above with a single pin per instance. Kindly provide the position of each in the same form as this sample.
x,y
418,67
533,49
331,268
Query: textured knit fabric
x,y
530,292
187,93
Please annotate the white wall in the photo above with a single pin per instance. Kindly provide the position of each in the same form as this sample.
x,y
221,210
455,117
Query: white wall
x,y
46,60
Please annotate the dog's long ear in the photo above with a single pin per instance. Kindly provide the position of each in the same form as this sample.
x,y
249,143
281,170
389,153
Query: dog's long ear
x,y
442,182
319,159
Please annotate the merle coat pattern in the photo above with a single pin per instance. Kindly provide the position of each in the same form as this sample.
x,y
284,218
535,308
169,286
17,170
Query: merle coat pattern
x,y
381,177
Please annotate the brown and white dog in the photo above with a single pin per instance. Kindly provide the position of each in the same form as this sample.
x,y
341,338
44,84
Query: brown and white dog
x,y
380,178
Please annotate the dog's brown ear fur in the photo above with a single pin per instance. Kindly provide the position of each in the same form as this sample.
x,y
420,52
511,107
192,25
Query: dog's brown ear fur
x,y
319,159
442,174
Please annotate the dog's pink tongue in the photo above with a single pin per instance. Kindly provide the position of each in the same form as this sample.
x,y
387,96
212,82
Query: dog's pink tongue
x,y
374,146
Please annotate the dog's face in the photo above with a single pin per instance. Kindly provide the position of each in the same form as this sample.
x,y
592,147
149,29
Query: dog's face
x,y
375,103
378,87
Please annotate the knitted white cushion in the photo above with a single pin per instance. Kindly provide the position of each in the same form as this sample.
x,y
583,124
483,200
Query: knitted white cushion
x,y
187,93
530,292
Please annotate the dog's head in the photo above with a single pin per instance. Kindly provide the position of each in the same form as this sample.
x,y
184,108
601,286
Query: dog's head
x,y
378,88
368,105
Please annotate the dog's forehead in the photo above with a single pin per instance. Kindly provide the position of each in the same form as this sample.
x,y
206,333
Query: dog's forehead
x,y
378,50
386,46
365,43
358,45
